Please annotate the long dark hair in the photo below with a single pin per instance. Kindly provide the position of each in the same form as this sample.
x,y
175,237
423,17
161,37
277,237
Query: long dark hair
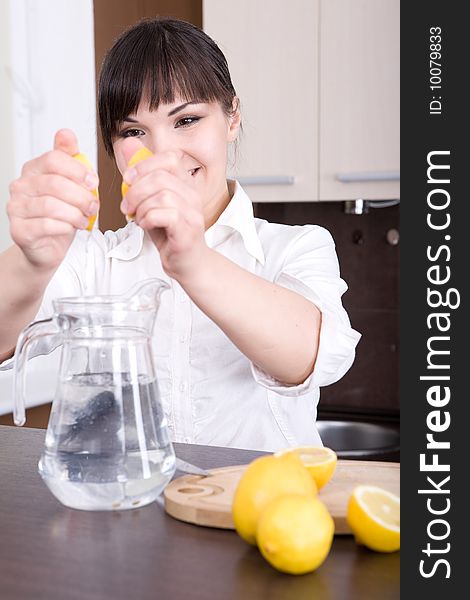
x,y
161,59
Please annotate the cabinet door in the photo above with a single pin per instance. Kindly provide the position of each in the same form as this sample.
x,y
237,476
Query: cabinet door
x,y
359,99
272,50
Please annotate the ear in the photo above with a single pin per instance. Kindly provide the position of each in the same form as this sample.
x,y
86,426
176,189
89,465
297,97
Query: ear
x,y
234,121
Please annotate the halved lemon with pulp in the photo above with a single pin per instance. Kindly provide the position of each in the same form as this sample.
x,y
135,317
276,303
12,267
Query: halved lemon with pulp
x,y
374,518
319,460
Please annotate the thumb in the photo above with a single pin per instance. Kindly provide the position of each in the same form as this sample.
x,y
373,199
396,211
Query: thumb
x,y
66,140
129,147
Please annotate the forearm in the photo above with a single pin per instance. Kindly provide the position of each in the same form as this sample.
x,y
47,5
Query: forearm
x,y
21,296
274,327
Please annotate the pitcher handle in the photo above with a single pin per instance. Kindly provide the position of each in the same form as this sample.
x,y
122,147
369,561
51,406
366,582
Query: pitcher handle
x,y
27,339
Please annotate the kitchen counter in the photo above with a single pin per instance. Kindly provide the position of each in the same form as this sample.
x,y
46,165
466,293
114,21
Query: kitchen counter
x,y
48,551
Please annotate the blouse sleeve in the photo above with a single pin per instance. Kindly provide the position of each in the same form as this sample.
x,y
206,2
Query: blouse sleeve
x,y
311,269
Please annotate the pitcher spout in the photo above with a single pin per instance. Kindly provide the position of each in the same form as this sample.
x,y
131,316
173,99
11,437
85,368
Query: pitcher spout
x,y
145,295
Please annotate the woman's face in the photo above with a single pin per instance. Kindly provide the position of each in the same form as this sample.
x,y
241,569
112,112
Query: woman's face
x,y
198,132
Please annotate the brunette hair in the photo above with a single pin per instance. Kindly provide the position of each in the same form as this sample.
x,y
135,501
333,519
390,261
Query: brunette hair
x,y
160,58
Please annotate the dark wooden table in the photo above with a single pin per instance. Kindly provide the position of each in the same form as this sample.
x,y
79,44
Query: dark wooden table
x,y
51,552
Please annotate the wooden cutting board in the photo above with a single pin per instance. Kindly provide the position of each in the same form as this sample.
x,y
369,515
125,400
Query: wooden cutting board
x,y
208,500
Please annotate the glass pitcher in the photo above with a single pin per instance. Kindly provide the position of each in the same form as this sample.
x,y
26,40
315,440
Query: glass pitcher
x,y
107,444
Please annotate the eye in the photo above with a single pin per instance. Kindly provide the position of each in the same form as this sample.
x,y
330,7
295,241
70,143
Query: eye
x,y
131,133
187,121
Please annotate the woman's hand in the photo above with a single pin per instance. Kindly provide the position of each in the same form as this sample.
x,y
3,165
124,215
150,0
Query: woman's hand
x,y
49,201
166,205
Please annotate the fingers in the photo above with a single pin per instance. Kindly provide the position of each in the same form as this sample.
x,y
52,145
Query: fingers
x,y
38,229
165,211
167,161
163,199
161,218
50,200
60,187
57,182
60,161
157,194
47,208
150,186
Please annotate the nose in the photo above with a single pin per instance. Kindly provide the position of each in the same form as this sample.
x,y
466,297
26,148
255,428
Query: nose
x,y
162,141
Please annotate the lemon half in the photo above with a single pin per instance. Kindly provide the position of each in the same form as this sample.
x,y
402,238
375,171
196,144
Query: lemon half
x,y
84,160
374,518
319,460
295,533
141,154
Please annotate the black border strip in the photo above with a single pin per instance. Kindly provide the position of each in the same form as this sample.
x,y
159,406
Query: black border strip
x,y
434,524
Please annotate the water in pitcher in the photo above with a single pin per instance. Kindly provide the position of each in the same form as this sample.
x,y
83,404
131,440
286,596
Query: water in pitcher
x,y
91,460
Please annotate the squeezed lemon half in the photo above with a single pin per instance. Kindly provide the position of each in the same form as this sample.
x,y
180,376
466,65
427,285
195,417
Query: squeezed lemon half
x,y
374,517
319,461
84,160
137,157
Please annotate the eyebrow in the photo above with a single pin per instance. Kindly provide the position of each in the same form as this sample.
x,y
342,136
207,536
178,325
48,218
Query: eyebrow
x,y
170,114
181,107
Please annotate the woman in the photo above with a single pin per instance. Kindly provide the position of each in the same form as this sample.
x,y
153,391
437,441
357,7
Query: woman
x,y
253,324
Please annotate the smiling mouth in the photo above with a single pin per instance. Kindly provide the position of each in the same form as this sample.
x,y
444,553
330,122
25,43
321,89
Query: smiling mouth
x,y
193,172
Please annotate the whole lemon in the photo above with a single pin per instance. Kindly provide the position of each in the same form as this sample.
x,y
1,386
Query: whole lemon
x,y
295,533
264,479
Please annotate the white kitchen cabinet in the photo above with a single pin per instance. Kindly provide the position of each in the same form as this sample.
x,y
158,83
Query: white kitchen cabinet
x,y
359,99
272,50
319,86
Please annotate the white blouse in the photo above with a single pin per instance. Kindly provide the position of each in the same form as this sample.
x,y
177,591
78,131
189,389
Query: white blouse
x,y
211,393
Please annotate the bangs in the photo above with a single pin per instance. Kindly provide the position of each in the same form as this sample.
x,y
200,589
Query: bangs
x,y
160,61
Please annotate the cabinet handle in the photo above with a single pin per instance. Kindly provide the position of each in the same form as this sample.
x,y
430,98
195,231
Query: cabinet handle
x,y
368,176
267,180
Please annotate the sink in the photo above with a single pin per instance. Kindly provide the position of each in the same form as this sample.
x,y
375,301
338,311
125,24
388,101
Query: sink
x,y
360,440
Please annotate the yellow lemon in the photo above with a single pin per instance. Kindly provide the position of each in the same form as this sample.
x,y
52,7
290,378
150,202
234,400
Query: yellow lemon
x,y
320,462
137,157
263,480
374,517
295,533
84,160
